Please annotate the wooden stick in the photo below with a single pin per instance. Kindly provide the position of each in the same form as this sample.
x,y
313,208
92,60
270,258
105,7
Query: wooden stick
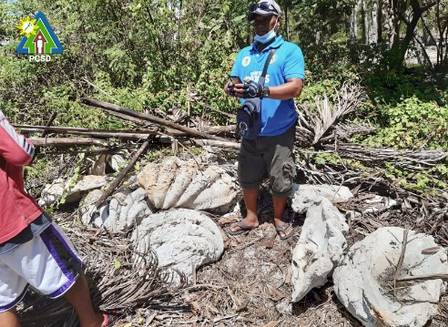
x,y
423,277
111,188
55,141
220,144
147,117
124,134
220,129
49,122
404,244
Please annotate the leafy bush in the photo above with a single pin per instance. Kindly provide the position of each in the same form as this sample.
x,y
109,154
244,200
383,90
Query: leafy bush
x,y
413,124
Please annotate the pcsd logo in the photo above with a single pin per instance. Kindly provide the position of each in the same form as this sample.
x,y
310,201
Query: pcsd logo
x,y
39,42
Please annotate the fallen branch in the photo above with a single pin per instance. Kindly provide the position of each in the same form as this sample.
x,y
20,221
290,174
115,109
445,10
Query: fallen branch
x,y
219,129
53,141
221,144
325,114
156,120
343,132
120,134
111,188
406,159
404,244
423,277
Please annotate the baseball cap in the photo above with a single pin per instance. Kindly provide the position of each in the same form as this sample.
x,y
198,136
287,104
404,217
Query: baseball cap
x,y
264,8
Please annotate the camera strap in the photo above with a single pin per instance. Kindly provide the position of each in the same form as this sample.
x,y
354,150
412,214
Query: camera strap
x,y
262,78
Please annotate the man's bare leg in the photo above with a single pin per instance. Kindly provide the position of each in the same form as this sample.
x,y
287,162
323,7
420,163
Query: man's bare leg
x,y
9,319
250,200
79,297
284,229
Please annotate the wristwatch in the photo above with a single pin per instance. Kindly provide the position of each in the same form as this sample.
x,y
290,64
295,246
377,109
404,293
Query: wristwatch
x,y
265,93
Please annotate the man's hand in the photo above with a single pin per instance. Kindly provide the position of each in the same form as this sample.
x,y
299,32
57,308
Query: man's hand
x,y
246,90
229,88
238,90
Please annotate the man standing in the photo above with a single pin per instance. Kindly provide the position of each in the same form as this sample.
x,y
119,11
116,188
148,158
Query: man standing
x,y
33,250
270,153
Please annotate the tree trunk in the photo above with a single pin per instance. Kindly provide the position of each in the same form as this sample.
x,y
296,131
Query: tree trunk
x,y
410,29
373,21
396,23
379,22
400,47
363,24
354,21
286,20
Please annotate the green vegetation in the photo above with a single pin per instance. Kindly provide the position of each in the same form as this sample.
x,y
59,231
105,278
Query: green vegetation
x,y
168,55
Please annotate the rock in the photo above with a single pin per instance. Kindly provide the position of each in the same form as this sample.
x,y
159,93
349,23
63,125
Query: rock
x,y
304,195
364,279
117,162
124,210
183,239
379,204
173,183
54,192
319,249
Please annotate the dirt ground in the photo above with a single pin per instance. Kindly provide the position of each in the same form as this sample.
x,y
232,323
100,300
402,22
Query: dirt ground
x,y
250,285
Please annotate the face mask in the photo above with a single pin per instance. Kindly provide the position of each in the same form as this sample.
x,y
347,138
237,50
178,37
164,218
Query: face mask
x,y
263,39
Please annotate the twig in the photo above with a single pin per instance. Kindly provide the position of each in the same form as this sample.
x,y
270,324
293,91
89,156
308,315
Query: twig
x,y
224,318
401,259
199,286
423,277
246,245
48,124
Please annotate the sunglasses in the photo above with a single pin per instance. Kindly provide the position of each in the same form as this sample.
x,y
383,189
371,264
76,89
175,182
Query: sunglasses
x,y
265,6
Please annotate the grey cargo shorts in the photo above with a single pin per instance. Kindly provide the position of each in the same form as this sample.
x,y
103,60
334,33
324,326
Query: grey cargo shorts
x,y
268,156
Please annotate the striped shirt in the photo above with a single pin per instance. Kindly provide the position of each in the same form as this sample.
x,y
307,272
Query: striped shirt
x,y
17,209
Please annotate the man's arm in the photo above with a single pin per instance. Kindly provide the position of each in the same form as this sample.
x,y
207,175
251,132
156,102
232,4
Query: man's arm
x,y
14,148
291,89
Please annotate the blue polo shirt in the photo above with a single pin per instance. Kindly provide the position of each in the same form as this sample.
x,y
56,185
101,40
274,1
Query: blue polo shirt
x,y
277,116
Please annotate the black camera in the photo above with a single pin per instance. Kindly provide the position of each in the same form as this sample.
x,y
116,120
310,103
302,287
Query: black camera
x,y
252,89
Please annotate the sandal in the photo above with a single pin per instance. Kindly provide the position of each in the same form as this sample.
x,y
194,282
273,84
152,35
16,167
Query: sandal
x,y
285,231
242,228
108,320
